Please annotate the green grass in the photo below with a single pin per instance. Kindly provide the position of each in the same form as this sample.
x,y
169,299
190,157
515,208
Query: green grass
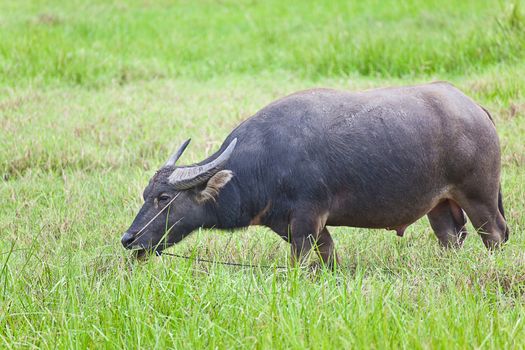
x,y
92,43
94,96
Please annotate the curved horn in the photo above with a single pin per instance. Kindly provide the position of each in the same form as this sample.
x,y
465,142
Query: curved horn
x,y
173,159
184,178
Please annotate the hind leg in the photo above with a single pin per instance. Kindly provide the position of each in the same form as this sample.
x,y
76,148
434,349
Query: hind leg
x,y
448,222
488,221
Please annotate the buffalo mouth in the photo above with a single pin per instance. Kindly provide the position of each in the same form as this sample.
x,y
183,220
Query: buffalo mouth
x,y
141,253
144,254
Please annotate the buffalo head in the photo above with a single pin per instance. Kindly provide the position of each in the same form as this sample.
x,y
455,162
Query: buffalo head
x,y
175,202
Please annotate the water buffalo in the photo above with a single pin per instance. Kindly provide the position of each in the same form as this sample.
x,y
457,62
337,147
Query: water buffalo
x,y
380,158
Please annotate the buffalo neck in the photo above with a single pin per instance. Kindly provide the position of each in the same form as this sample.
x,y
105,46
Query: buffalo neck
x,y
236,206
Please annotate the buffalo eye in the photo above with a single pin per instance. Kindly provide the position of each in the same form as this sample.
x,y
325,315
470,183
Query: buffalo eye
x,y
163,198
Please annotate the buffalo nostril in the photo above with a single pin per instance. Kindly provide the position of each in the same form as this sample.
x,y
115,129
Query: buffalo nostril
x,y
127,240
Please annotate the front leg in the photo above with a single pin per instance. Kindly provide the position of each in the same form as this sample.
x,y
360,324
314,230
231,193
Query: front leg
x,y
325,249
307,231
301,246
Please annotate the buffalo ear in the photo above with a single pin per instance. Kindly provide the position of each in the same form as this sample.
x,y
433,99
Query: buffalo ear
x,y
214,185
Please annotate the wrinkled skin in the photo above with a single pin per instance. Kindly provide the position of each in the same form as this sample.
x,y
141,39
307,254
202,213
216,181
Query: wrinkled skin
x,y
374,159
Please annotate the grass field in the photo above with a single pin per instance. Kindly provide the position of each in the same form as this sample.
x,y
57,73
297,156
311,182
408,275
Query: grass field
x,y
94,96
